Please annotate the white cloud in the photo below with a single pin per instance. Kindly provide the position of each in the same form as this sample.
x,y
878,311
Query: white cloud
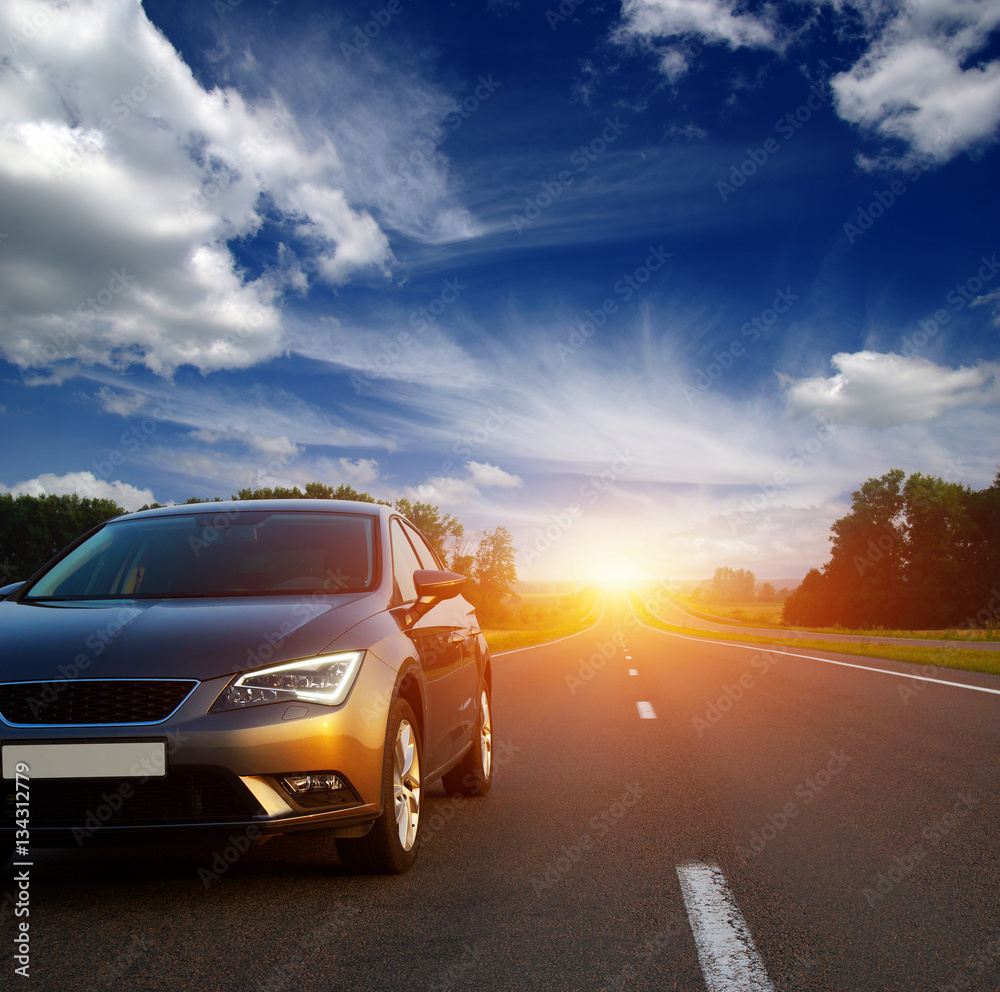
x,y
918,85
277,448
123,404
451,490
221,408
712,20
914,83
875,389
83,484
484,475
425,355
122,180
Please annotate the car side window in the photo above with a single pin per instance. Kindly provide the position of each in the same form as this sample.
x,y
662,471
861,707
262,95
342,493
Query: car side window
x,y
404,562
424,551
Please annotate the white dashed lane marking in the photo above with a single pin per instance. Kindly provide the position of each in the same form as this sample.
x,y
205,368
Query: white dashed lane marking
x,y
633,671
729,959
646,710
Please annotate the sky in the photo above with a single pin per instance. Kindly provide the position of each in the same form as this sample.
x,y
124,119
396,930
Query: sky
x,y
654,284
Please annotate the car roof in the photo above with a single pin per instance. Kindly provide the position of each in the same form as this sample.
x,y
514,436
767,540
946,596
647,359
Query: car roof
x,y
232,506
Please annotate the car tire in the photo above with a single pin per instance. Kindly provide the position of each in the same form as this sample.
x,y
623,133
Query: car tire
x,y
473,775
392,844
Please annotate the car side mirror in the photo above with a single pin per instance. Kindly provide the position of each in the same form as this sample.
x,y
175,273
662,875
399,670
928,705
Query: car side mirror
x,y
432,588
10,589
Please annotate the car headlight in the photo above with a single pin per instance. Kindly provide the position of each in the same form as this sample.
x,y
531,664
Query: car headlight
x,y
325,679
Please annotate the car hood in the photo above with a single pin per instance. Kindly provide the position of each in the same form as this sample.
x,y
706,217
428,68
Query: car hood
x,y
198,639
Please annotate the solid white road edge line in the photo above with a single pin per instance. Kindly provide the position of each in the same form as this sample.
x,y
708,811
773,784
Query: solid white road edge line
x,y
646,711
545,644
729,960
768,648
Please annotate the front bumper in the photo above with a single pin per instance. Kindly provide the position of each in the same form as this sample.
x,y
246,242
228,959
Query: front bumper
x,y
224,771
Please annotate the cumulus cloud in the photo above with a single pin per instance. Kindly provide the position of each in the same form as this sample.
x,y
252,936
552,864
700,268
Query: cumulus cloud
x,y
122,181
83,484
452,490
875,389
919,83
484,474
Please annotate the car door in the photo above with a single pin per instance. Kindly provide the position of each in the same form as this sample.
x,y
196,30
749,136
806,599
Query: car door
x,y
445,647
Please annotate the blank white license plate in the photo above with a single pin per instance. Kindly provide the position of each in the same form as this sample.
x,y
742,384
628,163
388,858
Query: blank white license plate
x,y
87,760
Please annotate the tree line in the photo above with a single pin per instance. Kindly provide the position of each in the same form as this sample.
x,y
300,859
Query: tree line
x,y
913,553
34,528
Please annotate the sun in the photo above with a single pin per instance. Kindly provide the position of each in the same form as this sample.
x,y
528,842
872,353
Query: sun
x,y
622,571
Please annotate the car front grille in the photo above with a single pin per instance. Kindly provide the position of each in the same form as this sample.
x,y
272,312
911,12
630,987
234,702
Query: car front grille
x,y
91,702
182,797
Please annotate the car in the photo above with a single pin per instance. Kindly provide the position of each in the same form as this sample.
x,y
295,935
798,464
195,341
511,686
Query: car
x,y
242,669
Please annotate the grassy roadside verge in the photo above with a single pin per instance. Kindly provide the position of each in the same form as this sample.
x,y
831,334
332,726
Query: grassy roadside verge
x,y
556,623
965,660
769,615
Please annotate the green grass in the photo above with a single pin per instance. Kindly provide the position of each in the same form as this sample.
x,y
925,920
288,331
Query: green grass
x,y
539,617
769,615
969,661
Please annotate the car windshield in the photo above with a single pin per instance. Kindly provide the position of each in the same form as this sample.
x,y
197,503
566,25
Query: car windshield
x,y
217,554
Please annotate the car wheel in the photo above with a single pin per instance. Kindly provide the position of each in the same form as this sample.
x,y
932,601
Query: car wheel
x,y
391,846
473,775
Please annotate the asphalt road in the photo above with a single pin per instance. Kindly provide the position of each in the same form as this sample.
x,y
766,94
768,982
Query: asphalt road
x,y
834,828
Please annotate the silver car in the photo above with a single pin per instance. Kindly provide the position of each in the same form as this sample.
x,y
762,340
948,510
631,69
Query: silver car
x,y
252,667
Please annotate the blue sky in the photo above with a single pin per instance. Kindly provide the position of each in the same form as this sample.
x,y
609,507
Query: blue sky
x,y
653,283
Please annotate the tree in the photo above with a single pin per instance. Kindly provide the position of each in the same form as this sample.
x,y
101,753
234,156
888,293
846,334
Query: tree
x,y
34,528
730,586
810,605
768,593
314,490
444,532
937,551
865,571
493,572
